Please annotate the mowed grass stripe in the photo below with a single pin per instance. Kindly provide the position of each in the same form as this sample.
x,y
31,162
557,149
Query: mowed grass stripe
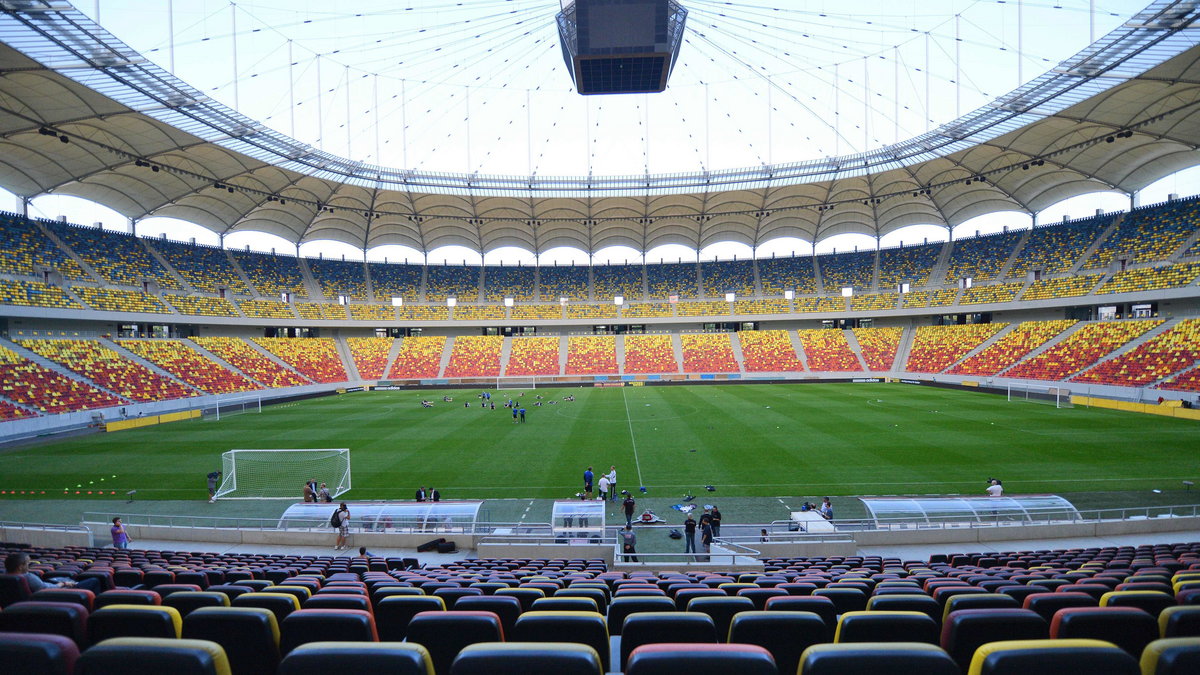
x,y
751,440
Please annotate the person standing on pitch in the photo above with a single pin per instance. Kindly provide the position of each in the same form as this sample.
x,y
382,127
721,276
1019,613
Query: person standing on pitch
x,y
629,505
612,482
715,522
603,487
212,486
689,534
587,483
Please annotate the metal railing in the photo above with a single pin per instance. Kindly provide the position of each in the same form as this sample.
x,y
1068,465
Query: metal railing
x,y
305,525
1054,517
44,527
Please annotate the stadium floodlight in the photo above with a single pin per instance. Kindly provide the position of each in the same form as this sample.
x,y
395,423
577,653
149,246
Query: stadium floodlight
x,y
729,297
508,302
281,474
847,291
618,300
451,302
789,294
397,302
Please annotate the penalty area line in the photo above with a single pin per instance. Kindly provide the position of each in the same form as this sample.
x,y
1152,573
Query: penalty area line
x,y
633,441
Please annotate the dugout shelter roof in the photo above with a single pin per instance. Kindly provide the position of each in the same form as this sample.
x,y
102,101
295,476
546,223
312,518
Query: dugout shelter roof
x,y
455,516
948,510
83,114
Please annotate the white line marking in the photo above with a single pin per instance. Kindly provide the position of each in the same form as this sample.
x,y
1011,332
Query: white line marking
x,y
632,440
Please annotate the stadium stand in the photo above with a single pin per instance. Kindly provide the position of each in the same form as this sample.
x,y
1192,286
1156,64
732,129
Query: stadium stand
x,y
874,302
185,363
542,312
118,300
827,350
1054,249
879,346
26,250
533,356
119,258
703,308
1061,287
424,313
390,280
201,305
591,355
381,313
769,306
272,275
109,369
419,357
707,353
36,386
475,356
330,310
457,281
777,275
266,309
841,270
1149,233
508,282
822,303
1151,278
650,354
667,279
728,276
1165,354
563,282
1081,349
594,311
370,355
908,264
935,348
647,310
9,411
206,268
1185,381
22,293
314,358
609,281
980,258
978,295
1012,347
339,278
250,361
479,312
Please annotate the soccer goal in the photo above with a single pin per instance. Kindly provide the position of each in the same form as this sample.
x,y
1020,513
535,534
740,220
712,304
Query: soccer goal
x,y
1033,393
232,406
515,383
281,474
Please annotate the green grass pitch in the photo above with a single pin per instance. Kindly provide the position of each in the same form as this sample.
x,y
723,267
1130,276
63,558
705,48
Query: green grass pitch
x,y
749,440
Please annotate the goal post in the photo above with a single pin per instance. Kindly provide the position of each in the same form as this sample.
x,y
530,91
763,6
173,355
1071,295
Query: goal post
x,y
281,474
224,407
1059,397
516,383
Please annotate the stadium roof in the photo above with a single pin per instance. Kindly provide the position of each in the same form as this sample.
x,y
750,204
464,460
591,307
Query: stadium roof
x,y
82,114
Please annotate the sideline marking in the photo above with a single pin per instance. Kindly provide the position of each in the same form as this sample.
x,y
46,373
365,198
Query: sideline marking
x,y
632,440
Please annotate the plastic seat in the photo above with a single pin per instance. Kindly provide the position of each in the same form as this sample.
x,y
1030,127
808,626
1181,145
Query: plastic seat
x,y
249,635
785,634
700,659
570,604
1179,621
966,629
1149,601
980,601
445,634
317,625
655,627
1129,628
722,610
1171,656
395,612
187,601
125,596
40,653
137,655
13,588
450,595
338,601
822,607
301,593
79,596
866,658
586,628
685,595
880,626
229,590
906,602
1047,604
507,608
281,604
845,599
759,596
357,657
597,594
1051,657
525,595
622,606
66,619
527,658
146,621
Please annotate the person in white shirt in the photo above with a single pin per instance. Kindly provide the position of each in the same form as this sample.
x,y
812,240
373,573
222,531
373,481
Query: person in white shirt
x,y
995,489
612,482
604,487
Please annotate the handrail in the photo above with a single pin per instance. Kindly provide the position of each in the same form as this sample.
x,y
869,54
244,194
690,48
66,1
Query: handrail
x,y
49,527
272,523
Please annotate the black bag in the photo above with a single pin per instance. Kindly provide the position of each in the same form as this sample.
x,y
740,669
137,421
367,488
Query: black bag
x,y
675,534
446,547
335,521
430,545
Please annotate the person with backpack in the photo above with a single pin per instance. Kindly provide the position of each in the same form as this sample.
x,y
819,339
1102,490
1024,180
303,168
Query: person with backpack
x,y
340,520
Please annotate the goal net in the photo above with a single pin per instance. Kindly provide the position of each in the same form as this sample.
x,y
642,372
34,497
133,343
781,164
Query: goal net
x,y
516,383
232,406
1032,393
281,474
